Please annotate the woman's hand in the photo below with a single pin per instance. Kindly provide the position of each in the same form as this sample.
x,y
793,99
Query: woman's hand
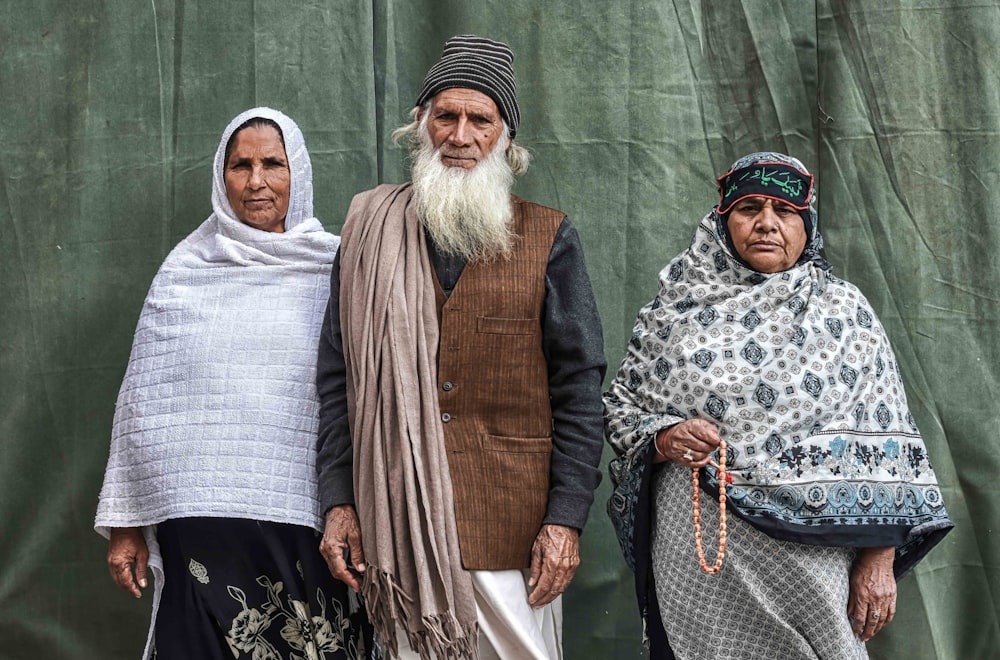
x,y
127,552
872,602
689,443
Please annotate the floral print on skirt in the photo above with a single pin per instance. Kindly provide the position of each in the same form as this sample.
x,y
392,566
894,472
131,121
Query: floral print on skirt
x,y
236,589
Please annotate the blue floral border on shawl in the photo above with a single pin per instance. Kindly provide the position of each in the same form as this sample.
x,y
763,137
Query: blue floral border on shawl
x,y
912,541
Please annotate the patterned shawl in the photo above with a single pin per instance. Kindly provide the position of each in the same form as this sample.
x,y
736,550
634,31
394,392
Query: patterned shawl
x,y
798,374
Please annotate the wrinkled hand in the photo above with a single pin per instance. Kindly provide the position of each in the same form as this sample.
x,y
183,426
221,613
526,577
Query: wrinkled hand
x,y
128,558
341,533
697,436
872,601
555,556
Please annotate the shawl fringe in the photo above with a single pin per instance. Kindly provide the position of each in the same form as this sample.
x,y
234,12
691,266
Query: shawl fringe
x,y
442,636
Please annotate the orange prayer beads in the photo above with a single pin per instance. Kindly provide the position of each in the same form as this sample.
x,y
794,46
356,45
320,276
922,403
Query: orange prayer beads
x,y
724,477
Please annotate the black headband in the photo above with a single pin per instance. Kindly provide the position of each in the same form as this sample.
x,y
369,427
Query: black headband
x,y
769,179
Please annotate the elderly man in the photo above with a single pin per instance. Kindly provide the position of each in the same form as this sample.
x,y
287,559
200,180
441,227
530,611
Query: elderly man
x,y
460,369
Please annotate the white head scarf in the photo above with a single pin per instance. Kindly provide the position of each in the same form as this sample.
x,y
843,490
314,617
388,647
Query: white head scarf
x,y
300,206
221,374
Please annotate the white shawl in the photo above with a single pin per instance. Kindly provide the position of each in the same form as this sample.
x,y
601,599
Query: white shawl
x,y
217,414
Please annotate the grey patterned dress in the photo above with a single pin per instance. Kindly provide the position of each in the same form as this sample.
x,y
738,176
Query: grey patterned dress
x,y
772,599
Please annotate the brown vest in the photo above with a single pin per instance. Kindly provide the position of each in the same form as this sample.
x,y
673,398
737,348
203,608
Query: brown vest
x,y
493,388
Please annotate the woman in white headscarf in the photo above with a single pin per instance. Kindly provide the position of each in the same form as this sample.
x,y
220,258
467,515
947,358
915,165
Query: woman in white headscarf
x,y
770,481
211,480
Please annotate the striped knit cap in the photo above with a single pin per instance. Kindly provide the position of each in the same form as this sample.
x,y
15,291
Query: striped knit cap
x,y
477,63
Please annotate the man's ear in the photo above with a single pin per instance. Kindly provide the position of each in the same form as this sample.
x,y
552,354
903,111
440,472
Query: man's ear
x,y
420,113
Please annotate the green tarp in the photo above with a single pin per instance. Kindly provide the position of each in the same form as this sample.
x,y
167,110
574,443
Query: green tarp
x,y
109,116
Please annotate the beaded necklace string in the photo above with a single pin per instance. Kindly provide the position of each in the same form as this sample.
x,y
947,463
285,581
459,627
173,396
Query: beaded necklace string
x,y
724,478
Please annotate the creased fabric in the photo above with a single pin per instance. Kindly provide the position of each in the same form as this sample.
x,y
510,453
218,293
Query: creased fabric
x,y
217,412
796,371
390,330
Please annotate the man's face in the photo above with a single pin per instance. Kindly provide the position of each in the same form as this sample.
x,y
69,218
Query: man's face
x,y
464,125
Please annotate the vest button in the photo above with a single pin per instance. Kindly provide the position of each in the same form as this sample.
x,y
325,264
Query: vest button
x,y
445,418
447,386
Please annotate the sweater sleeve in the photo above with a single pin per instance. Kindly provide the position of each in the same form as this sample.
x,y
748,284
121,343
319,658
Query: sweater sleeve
x,y
334,458
574,350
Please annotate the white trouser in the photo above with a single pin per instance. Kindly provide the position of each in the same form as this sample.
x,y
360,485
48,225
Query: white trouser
x,y
509,628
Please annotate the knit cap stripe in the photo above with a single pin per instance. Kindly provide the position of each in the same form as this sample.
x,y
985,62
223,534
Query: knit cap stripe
x,y
468,72
476,63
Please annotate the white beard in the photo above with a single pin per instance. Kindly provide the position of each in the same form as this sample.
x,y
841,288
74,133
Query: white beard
x,y
467,213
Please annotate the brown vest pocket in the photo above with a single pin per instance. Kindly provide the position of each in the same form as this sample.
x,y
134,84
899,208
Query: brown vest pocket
x,y
497,326
501,505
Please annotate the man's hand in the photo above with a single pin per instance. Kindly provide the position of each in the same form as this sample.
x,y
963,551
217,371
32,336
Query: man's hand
x,y
555,556
127,552
872,600
342,535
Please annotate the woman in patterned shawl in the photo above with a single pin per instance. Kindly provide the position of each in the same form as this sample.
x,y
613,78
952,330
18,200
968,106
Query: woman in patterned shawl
x,y
754,343
210,484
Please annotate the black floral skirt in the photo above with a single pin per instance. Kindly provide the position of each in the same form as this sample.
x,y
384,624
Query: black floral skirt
x,y
237,588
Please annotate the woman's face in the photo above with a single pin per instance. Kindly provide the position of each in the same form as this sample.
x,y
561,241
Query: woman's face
x,y
767,234
258,179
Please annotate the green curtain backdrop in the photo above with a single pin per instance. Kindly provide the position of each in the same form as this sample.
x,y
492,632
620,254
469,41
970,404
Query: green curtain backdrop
x,y
109,117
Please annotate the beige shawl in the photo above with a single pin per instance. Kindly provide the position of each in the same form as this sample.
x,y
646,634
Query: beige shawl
x,y
401,480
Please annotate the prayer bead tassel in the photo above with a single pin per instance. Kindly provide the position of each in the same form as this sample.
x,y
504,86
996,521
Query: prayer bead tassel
x,y
724,478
